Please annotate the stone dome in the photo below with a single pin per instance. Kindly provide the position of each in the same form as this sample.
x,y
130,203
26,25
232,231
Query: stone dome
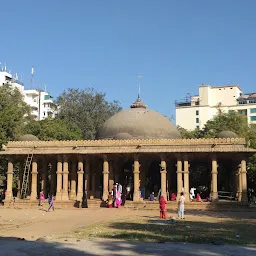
x,y
138,122
227,134
28,137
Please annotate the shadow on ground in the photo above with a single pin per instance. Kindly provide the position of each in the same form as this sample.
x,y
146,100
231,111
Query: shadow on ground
x,y
17,247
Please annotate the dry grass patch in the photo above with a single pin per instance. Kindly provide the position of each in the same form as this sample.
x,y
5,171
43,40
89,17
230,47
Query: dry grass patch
x,y
211,230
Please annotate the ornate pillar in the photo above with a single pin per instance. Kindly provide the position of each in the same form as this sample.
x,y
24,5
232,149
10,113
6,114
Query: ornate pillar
x,y
8,195
214,178
105,178
239,181
33,195
65,179
179,177
21,167
59,179
163,177
186,178
136,179
244,181
73,180
80,177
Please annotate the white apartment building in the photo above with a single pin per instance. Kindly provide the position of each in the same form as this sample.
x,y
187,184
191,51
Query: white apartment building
x,y
40,101
194,111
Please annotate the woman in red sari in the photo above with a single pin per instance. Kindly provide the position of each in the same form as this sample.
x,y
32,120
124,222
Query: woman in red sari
x,y
162,204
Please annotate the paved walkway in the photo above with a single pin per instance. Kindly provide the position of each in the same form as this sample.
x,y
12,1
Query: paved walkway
x,y
107,247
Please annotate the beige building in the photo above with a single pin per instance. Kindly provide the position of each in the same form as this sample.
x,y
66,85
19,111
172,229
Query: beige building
x,y
137,147
194,111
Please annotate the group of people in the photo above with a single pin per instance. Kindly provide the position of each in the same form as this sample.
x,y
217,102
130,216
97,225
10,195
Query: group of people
x,y
116,198
181,207
50,201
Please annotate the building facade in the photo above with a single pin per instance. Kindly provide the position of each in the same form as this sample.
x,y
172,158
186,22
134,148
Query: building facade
x,y
136,147
40,101
195,111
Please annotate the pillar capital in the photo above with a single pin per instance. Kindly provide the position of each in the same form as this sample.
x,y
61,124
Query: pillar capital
x,y
65,158
185,157
136,157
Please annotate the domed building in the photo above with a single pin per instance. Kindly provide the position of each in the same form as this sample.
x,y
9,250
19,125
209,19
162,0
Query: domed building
x,y
138,148
138,122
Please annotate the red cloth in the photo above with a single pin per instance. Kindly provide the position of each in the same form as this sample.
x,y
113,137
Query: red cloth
x,y
162,203
173,197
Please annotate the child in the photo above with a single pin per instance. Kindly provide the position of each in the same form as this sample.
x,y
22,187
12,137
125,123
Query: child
x,y
51,203
41,198
181,206
173,197
162,204
110,200
152,196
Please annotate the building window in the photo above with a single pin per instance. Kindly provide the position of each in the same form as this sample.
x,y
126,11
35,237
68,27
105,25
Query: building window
x,y
253,118
253,110
242,112
197,112
197,120
197,127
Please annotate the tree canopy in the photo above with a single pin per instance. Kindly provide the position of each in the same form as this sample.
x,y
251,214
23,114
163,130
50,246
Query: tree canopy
x,y
87,108
54,129
14,113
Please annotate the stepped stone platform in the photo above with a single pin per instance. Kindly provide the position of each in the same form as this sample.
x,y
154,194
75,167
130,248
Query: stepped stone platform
x,y
145,205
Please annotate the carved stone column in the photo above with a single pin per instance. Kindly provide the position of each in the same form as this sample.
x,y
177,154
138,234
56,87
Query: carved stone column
x,y
214,179
163,177
186,179
33,195
136,179
73,180
244,181
80,178
59,179
65,179
8,195
179,177
105,178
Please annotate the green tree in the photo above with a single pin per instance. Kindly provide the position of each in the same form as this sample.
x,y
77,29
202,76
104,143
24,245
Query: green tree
x,y
189,134
14,113
54,129
232,121
87,108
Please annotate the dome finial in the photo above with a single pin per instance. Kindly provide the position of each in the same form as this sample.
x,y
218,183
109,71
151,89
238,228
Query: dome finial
x,y
138,103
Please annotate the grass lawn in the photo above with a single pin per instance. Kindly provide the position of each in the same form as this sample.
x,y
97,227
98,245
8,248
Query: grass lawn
x,y
196,230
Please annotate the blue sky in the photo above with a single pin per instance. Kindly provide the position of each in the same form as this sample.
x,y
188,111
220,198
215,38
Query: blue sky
x,y
175,45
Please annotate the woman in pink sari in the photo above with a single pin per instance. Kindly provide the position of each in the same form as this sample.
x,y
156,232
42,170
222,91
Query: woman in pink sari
x,y
118,199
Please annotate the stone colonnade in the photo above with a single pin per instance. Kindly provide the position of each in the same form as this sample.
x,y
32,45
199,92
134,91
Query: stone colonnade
x,y
79,174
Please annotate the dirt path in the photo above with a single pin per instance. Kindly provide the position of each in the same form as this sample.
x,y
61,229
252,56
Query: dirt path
x,y
33,223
